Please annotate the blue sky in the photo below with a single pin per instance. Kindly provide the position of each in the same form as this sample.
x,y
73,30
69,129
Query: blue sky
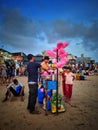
x,y
32,26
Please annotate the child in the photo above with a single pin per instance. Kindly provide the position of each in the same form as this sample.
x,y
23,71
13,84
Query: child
x,y
63,80
69,78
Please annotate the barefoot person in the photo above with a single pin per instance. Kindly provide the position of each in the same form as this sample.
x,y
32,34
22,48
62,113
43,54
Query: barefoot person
x,y
69,78
63,80
16,88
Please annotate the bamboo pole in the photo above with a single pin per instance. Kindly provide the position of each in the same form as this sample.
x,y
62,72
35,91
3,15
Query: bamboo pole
x,y
57,88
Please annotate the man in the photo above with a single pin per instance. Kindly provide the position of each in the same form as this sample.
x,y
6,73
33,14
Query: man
x,y
45,75
45,70
32,69
16,88
45,66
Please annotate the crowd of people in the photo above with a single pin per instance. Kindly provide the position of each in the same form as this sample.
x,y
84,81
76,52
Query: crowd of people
x,y
36,73
9,69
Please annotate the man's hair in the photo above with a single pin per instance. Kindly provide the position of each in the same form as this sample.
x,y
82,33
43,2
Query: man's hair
x,y
46,58
64,67
15,81
30,56
69,68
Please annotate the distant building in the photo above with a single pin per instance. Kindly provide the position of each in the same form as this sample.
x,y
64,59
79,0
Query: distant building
x,y
85,59
38,58
19,56
71,58
4,55
4,51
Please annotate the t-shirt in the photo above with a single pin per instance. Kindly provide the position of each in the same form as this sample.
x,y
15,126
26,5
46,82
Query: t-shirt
x,y
69,78
44,69
16,87
32,69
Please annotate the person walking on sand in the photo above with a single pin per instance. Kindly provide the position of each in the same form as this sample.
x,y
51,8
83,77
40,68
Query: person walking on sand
x,y
32,70
69,78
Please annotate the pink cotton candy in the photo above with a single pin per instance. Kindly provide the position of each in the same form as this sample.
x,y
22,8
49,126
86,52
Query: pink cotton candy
x,y
45,74
51,53
64,60
60,45
61,51
51,71
55,49
65,44
60,64
55,71
54,61
63,55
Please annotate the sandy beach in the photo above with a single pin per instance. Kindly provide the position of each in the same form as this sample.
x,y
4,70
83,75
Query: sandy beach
x,y
84,116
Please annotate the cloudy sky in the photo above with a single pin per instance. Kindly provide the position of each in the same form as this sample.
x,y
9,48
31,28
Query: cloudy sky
x,y
32,26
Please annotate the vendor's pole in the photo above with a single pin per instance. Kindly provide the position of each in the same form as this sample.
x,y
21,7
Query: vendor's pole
x,y
57,87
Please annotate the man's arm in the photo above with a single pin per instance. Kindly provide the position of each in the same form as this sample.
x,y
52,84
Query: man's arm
x,y
10,85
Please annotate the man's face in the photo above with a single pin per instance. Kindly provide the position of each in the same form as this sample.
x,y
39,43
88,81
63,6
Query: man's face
x,y
64,70
16,83
32,59
46,61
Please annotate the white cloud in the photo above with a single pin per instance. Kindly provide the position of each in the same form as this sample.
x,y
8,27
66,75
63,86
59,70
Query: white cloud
x,y
33,36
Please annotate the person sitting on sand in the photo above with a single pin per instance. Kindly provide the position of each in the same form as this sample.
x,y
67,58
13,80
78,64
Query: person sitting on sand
x,y
16,88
